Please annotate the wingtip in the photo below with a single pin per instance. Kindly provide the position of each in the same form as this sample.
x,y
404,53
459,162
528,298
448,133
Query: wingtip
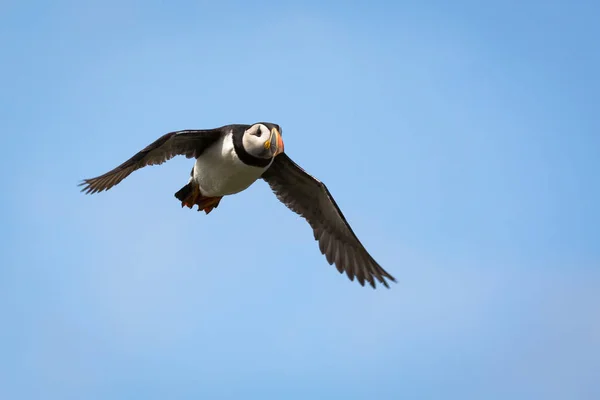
x,y
383,280
390,278
85,189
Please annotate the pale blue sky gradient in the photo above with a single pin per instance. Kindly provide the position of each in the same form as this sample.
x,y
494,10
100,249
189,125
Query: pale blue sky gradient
x,y
461,139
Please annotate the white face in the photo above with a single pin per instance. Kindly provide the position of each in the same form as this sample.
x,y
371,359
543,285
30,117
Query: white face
x,y
255,141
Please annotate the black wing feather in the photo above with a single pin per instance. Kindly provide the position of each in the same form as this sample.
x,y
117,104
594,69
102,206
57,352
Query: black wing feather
x,y
189,143
310,198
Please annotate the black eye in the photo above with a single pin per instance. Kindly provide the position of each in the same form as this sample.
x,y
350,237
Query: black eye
x,y
258,132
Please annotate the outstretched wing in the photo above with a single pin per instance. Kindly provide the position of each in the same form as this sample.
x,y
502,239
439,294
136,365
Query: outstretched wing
x,y
310,198
190,143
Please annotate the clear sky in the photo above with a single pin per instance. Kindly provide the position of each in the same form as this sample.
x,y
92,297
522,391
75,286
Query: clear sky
x,y
461,139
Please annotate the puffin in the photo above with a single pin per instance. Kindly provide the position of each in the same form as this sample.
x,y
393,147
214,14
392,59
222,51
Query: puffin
x,y
232,157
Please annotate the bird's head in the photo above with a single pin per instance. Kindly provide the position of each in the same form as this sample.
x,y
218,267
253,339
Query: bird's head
x,y
263,140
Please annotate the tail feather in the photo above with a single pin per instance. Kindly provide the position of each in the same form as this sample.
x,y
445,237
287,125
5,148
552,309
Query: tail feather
x,y
184,192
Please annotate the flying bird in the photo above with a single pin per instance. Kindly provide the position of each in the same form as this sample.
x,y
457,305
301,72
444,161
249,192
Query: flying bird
x,y
231,158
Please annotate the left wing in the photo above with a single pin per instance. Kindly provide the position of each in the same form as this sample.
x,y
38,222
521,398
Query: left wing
x,y
310,198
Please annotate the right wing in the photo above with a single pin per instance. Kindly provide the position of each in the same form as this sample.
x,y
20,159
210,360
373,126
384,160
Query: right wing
x,y
190,143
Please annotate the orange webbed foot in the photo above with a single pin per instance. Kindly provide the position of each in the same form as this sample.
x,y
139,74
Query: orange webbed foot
x,y
207,204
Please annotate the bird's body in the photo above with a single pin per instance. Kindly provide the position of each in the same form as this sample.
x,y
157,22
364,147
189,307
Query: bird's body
x,y
230,159
220,172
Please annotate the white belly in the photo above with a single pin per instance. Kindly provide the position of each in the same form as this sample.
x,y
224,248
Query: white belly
x,y
219,171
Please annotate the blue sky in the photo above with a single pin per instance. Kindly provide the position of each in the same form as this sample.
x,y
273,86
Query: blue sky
x,y
460,139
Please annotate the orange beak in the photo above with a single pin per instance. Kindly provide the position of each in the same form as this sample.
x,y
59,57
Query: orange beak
x,y
279,142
